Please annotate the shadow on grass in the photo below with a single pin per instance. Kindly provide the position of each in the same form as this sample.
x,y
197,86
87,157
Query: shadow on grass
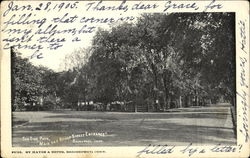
x,y
115,117
129,129
126,133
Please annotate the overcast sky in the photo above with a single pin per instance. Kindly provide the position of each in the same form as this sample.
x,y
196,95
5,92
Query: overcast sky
x,y
49,11
53,58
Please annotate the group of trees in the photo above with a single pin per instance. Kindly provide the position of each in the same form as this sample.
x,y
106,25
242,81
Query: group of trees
x,y
161,61
29,82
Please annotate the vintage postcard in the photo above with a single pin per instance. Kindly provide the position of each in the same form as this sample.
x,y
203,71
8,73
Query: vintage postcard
x,y
103,79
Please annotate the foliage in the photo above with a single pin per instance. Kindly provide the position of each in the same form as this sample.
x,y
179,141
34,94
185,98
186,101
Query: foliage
x,y
154,62
28,82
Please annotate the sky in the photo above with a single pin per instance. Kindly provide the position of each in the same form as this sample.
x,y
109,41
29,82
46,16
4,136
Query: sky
x,y
54,59
65,20
28,17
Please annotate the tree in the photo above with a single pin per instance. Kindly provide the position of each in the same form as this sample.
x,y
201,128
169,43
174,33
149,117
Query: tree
x,y
74,81
27,87
161,58
208,48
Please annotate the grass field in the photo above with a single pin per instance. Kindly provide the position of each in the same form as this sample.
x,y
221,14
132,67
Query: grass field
x,y
201,126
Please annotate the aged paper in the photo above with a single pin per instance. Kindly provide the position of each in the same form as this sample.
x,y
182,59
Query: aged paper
x,y
125,79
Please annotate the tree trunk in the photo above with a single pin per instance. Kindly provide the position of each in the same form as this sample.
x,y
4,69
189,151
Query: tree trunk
x,y
166,96
180,102
233,101
190,100
155,86
166,92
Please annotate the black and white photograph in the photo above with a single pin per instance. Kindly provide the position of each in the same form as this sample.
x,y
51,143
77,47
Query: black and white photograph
x,y
164,78
141,78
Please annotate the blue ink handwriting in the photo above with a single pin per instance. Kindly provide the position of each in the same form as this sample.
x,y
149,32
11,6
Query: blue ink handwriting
x,y
212,5
156,149
99,6
242,27
191,150
170,5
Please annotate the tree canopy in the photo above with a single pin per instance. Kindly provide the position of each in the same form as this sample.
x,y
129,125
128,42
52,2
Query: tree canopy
x,y
162,61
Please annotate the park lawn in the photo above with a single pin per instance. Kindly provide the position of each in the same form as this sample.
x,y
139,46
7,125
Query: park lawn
x,y
201,126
